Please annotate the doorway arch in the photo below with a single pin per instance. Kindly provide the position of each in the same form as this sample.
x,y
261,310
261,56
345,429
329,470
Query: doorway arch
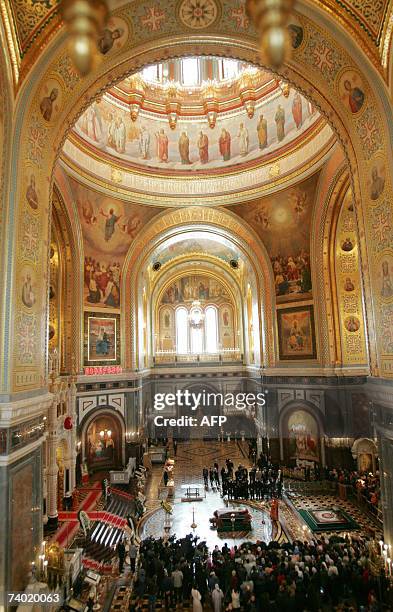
x,y
103,440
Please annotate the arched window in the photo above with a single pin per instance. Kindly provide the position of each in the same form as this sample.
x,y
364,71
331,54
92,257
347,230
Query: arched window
x,y
181,331
211,330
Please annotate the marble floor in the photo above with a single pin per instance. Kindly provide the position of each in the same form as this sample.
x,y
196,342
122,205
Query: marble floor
x,y
191,458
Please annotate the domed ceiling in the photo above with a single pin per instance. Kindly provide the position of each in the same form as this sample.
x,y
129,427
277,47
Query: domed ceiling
x,y
197,114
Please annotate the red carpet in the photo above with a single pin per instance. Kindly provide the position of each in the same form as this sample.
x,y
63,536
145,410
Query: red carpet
x,y
69,529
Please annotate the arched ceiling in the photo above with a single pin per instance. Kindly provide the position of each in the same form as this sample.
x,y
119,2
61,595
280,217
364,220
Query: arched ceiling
x,y
30,25
194,243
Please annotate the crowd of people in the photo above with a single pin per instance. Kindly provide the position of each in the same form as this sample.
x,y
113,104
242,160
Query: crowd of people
x,y
313,575
367,484
263,481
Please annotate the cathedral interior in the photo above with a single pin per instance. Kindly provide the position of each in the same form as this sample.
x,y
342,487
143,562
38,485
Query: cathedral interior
x,y
196,307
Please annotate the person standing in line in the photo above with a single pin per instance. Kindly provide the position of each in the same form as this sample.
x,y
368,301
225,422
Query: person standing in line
x,y
217,598
121,552
205,473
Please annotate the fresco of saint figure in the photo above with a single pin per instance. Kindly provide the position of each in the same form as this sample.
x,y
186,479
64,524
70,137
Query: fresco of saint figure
x,y
243,139
131,226
348,285
355,96
377,184
387,287
203,147
352,324
28,296
93,124
110,223
31,194
107,39
144,143
296,34
262,132
46,106
225,144
184,148
120,135
280,123
162,145
297,110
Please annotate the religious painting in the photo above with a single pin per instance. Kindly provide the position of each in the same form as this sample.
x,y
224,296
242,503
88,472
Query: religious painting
x,y
113,36
32,197
226,316
102,339
283,222
28,289
376,182
166,328
197,242
351,90
146,140
349,284
50,100
352,324
303,436
385,277
109,227
296,33
103,442
194,287
296,333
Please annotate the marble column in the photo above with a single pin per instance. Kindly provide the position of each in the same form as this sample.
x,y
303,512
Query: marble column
x,y
52,468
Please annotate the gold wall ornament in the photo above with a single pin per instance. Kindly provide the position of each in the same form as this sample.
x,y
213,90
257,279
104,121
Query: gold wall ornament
x,y
85,20
247,93
270,18
172,105
210,103
137,96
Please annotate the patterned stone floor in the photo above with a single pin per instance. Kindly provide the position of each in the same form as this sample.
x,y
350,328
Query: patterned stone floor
x,y
366,522
189,462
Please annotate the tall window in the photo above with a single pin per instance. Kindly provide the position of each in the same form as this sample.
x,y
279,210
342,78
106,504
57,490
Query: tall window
x,y
229,68
211,329
190,71
153,73
181,331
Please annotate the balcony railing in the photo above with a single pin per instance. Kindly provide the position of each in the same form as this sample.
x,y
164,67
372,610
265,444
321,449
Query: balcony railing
x,y
172,358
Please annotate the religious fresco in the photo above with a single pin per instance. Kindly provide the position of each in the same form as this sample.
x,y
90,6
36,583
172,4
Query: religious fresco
x,y
303,436
195,243
195,287
108,226
283,222
193,145
102,339
296,333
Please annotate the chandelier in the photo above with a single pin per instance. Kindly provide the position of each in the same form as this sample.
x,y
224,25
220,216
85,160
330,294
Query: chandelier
x,y
270,18
196,315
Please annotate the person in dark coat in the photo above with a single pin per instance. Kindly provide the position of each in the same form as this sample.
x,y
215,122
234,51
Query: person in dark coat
x,y
121,552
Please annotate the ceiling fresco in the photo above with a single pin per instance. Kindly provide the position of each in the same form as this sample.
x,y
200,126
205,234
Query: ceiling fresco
x,y
279,124
283,222
108,227
193,243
